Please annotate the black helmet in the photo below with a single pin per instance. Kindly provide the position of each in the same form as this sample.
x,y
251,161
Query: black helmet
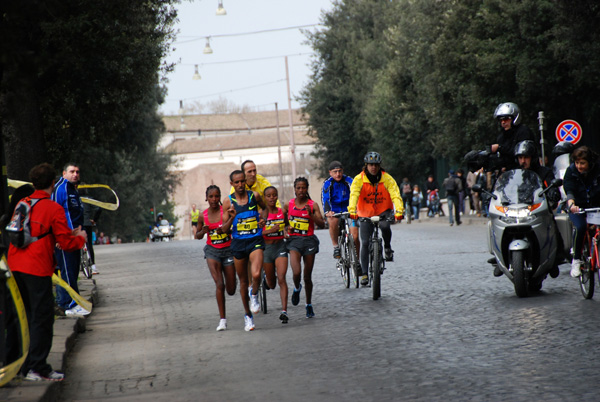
x,y
509,109
525,148
373,157
562,148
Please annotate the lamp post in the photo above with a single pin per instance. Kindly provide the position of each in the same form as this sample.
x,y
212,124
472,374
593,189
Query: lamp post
x,y
279,154
292,143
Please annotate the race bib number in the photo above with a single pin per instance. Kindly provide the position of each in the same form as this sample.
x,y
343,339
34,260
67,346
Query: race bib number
x,y
279,224
300,225
217,238
247,226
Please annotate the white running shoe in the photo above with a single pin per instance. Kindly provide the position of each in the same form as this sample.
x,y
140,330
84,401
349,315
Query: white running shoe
x,y
249,323
254,305
222,325
576,268
94,270
77,311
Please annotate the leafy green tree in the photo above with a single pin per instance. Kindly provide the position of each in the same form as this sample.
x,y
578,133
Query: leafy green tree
x,y
81,82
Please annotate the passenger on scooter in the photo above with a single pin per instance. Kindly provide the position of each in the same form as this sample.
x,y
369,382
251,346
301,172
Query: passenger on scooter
x,y
582,186
512,132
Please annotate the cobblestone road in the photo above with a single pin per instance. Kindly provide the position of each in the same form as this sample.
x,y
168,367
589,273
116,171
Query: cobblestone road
x,y
444,329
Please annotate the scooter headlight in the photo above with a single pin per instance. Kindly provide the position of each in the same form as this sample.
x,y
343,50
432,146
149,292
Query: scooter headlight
x,y
515,215
165,230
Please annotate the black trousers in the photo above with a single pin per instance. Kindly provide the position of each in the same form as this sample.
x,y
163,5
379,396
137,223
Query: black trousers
x,y
38,299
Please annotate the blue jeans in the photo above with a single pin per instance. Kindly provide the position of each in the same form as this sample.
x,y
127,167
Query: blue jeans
x,y
415,212
580,225
453,203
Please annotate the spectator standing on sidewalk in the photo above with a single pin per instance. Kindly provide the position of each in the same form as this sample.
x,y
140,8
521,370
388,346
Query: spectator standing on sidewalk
x,y
66,195
453,186
33,267
407,194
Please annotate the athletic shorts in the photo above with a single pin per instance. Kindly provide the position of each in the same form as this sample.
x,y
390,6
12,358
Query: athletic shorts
x,y
195,224
275,251
222,255
305,245
241,248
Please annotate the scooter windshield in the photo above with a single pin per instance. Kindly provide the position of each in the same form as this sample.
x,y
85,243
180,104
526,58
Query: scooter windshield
x,y
518,187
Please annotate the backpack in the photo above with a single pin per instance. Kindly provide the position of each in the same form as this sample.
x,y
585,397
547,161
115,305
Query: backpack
x,y
451,186
19,227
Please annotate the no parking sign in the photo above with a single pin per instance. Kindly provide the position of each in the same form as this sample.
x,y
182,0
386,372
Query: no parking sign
x,y
569,131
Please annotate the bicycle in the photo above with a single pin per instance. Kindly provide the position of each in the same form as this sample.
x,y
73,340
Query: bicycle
x,y
347,264
376,260
590,269
262,292
86,262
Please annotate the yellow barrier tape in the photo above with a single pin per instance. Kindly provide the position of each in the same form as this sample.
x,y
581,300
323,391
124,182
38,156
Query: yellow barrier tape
x,y
8,372
76,296
111,206
106,205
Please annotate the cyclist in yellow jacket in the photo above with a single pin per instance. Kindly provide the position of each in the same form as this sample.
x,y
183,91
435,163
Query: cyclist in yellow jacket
x,y
374,192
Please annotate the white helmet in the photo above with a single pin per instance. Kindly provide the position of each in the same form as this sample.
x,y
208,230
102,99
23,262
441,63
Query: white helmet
x,y
509,109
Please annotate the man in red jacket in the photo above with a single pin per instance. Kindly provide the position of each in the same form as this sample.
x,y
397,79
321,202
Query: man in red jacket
x,y
33,267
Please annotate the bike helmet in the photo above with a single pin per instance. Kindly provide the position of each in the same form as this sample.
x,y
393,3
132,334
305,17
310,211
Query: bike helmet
x,y
509,109
525,148
562,148
373,157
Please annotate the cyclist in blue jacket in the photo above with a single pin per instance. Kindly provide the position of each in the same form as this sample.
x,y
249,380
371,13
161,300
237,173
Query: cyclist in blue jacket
x,y
335,196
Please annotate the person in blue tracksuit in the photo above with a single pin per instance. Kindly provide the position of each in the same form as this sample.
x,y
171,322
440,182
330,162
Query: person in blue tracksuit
x,y
66,195
335,196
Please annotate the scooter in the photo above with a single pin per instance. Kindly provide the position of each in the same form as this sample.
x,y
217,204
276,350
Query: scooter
x,y
522,233
162,232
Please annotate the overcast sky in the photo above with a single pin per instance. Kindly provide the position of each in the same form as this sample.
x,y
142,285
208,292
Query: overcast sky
x,y
227,72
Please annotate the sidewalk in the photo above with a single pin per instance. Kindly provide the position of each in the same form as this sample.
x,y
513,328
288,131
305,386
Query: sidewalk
x,y
65,334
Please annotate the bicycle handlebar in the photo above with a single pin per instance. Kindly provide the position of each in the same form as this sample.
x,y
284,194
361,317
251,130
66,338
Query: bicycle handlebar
x,y
376,219
583,211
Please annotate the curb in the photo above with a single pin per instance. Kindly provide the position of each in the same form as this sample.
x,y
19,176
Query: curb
x,y
65,335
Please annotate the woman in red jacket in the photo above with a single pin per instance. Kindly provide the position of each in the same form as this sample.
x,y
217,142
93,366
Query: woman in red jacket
x,y
33,267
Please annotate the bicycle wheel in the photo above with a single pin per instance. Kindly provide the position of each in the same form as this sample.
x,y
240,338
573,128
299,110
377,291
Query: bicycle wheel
x,y
342,263
586,279
86,263
353,261
262,295
376,271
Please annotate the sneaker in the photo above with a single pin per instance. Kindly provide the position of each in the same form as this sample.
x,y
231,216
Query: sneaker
x,y
254,304
451,223
76,311
310,313
576,268
364,280
458,223
492,260
284,317
222,325
389,254
336,253
497,271
51,376
94,270
248,323
296,296
554,272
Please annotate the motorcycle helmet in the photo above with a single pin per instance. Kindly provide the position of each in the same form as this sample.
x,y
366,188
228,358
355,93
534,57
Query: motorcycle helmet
x,y
509,109
525,148
159,216
373,157
562,148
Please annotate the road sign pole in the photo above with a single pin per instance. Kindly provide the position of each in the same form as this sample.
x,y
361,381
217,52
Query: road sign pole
x,y
541,126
